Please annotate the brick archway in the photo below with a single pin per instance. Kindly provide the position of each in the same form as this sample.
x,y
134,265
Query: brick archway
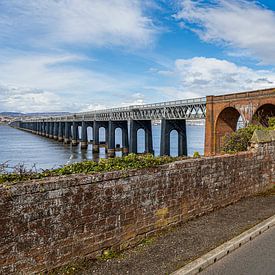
x,y
246,104
226,123
263,113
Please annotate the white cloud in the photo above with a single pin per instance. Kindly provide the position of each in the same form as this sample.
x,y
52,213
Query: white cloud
x,y
240,24
202,76
28,100
30,83
50,72
133,99
88,22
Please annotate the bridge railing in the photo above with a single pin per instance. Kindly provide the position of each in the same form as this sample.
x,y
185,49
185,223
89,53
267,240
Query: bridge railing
x,y
128,109
201,100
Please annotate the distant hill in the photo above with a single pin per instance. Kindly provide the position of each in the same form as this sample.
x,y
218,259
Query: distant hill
x,y
48,114
10,114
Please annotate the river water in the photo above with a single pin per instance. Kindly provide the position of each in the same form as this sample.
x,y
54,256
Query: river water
x,y
18,146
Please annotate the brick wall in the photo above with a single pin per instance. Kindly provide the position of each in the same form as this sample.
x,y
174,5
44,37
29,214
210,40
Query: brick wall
x,y
51,222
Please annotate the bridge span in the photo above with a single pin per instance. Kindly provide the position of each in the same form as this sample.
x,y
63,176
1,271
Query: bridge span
x,y
221,113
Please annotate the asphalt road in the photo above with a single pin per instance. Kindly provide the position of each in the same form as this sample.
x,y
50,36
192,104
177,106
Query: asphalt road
x,y
256,257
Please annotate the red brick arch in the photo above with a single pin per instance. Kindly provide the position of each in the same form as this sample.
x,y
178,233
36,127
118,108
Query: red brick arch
x,y
263,113
225,124
246,104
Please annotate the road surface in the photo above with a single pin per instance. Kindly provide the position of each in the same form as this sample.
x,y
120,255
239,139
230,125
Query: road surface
x,y
256,257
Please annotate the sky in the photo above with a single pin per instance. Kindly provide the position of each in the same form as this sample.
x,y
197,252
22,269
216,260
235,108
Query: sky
x,y
82,55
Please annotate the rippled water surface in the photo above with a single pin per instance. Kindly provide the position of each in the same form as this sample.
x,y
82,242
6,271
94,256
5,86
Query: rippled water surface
x,y
17,146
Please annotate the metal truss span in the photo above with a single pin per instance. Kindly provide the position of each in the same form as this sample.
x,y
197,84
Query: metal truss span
x,y
179,109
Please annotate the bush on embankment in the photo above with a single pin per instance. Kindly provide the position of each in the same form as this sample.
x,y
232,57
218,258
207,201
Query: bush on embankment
x,y
132,161
240,140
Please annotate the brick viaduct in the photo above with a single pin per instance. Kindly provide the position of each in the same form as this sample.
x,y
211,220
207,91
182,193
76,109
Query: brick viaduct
x,y
225,111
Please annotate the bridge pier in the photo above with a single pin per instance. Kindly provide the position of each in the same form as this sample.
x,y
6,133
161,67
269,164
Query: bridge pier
x,y
55,130
47,129
96,143
51,130
167,126
38,128
75,133
34,127
146,125
113,125
43,128
84,136
60,131
67,132
31,127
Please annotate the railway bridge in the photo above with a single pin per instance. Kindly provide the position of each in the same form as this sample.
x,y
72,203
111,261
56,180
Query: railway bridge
x,y
221,113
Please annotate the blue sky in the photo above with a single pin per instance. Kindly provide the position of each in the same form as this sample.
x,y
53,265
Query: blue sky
x,y
72,55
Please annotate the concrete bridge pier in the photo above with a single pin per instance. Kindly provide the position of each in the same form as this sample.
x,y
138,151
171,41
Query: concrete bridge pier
x,y
55,130
67,132
33,127
84,136
36,127
47,129
60,131
39,128
167,126
30,127
96,143
146,125
125,140
113,125
51,130
43,128
75,133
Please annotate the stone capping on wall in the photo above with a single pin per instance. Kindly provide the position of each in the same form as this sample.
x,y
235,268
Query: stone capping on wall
x,y
263,136
50,222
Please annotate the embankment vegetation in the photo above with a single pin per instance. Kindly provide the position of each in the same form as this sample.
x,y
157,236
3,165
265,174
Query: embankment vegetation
x,y
240,140
132,161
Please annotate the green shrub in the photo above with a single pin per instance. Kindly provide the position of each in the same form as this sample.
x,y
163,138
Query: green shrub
x,y
240,140
271,122
196,155
132,161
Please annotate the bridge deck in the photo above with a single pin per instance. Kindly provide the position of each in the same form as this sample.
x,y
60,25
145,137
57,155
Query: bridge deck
x,y
179,109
